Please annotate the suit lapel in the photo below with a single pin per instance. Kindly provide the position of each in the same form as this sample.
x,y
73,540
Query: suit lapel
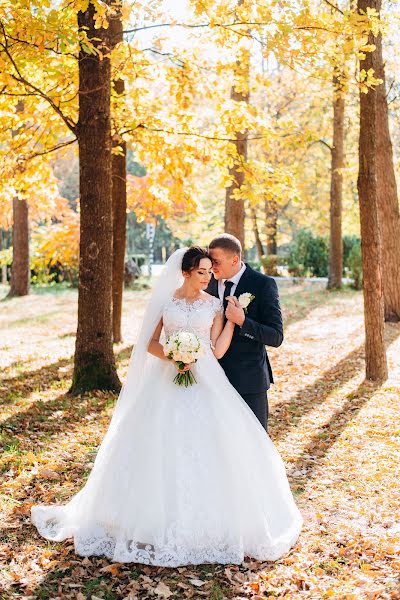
x,y
241,287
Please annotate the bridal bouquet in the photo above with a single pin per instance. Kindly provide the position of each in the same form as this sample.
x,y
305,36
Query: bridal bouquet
x,y
184,348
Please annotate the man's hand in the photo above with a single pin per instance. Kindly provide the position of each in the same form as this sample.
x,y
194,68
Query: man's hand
x,y
234,312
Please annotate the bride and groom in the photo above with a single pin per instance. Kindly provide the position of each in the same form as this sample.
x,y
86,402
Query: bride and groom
x,y
188,475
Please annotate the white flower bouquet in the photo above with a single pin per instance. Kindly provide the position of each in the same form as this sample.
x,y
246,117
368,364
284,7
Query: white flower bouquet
x,y
184,347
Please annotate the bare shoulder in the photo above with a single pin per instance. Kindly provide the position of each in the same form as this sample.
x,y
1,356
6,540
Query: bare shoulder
x,y
208,297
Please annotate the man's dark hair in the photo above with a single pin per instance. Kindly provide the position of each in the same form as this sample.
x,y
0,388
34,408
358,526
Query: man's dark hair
x,y
228,242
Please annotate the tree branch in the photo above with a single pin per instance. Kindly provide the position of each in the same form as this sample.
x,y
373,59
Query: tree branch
x,y
53,149
58,52
190,134
334,6
321,141
21,79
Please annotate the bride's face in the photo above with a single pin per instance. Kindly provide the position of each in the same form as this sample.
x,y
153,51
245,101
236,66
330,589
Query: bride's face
x,y
200,276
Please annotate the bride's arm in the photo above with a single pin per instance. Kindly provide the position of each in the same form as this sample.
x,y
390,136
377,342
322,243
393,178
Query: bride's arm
x,y
155,347
221,336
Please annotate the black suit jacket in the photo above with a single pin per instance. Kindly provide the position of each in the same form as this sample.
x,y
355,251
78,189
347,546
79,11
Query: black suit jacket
x,y
246,362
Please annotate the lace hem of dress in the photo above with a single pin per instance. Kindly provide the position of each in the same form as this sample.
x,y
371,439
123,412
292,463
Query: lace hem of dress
x,y
94,540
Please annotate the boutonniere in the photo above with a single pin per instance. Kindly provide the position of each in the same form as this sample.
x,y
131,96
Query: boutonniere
x,y
245,299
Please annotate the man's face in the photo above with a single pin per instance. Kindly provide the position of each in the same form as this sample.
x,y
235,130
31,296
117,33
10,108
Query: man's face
x,y
225,264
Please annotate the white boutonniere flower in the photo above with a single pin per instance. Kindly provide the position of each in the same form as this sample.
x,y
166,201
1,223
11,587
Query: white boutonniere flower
x,y
245,299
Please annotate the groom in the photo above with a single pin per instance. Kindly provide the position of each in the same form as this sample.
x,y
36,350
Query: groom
x,y
246,362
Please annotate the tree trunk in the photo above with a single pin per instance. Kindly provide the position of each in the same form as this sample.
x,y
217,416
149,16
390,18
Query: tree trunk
x,y
119,237
337,163
271,222
234,209
259,246
388,204
94,366
118,202
20,272
375,355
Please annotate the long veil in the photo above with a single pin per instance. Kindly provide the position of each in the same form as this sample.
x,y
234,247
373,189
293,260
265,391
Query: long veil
x,y
141,362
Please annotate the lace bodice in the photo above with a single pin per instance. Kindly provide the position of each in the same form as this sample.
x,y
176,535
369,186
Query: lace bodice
x,y
198,316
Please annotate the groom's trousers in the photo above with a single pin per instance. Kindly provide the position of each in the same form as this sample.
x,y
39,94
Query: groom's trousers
x,y
259,405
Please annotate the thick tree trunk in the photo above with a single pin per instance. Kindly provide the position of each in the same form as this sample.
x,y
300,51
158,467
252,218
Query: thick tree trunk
x,y
259,246
94,366
337,163
388,204
20,272
271,222
235,209
119,203
375,354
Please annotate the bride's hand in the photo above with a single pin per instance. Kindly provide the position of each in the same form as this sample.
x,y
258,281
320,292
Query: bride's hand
x,y
234,312
185,368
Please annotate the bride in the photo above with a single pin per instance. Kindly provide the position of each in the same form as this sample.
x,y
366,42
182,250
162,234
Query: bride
x,y
184,475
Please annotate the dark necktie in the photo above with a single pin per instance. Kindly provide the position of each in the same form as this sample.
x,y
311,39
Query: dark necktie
x,y
227,292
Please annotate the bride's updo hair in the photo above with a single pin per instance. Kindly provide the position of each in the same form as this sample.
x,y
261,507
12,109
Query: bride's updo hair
x,y
192,257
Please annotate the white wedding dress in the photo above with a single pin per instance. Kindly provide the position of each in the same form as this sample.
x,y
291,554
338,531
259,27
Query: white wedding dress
x,y
184,475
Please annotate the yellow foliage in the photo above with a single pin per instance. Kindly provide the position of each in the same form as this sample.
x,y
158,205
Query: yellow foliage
x,y
58,243
176,113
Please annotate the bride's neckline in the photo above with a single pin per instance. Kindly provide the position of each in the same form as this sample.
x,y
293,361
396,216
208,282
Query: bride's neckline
x,y
191,303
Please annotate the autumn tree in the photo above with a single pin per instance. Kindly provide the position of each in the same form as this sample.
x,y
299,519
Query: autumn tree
x,y
94,366
388,204
336,189
368,190
20,273
234,202
119,185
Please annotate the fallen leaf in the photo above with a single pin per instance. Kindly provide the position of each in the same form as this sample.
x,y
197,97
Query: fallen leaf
x,y
163,590
197,582
48,474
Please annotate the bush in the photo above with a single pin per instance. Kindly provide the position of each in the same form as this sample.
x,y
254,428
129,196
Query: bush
x,y
308,255
254,264
355,266
270,264
6,257
349,241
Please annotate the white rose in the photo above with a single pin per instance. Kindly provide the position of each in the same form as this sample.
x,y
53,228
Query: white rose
x,y
245,299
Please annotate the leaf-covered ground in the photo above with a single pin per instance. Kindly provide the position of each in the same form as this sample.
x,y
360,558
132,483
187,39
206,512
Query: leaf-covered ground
x,y
339,437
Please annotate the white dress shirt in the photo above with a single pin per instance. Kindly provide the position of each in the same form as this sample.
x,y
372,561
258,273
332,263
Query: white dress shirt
x,y
235,279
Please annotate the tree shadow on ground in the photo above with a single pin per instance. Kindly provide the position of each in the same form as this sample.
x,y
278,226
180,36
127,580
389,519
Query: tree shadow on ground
x,y
297,304
325,436
44,377
286,415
